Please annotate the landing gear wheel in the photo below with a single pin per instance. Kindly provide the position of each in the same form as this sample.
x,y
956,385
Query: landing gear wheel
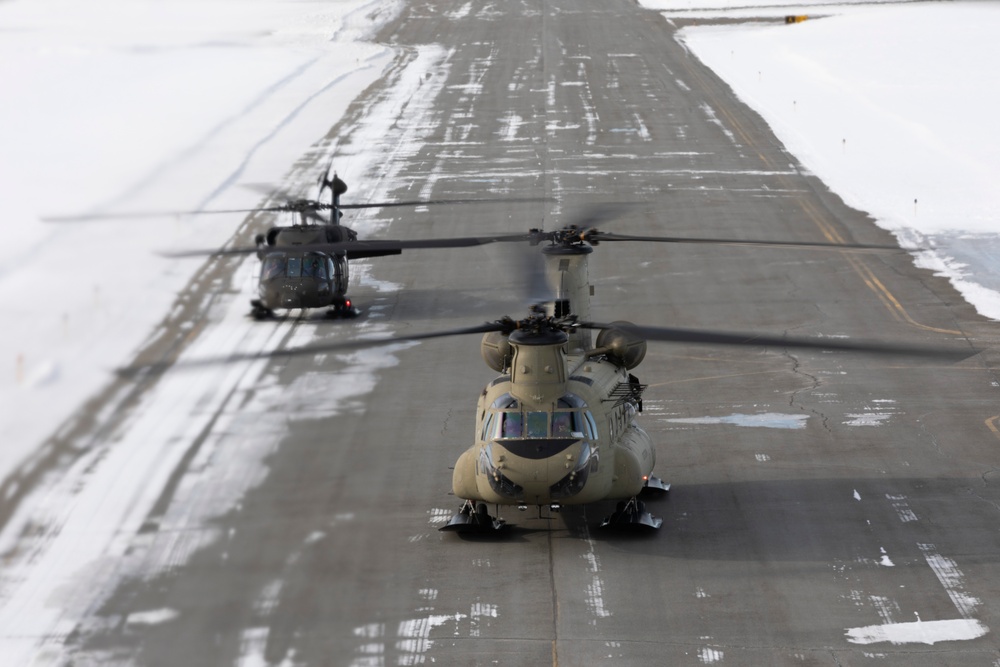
x,y
631,515
259,311
474,519
343,309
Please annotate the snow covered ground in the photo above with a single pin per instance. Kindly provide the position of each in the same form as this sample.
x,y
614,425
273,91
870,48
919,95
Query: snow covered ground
x,y
891,105
143,105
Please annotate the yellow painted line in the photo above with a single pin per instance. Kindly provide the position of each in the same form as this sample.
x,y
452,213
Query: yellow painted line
x,y
991,424
889,301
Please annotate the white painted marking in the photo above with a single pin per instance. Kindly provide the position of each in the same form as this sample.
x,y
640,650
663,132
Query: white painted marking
x,y
867,419
439,515
857,496
709,656
947,572
902,508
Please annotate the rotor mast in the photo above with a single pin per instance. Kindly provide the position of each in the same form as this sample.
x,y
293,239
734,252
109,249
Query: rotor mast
x,y
567,273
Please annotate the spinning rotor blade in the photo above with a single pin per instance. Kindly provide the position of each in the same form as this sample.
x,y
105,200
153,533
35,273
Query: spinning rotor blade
x,y
291,205
713,337
362,249
594,237
427,202
587,219
150,214
319,348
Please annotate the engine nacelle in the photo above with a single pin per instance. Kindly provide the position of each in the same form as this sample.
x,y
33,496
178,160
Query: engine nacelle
x,y
626,349
496,351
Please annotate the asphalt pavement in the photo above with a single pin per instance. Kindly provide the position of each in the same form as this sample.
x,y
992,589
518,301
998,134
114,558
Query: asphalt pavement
x,y
826,508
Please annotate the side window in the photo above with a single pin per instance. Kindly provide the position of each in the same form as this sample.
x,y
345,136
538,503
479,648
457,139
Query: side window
x,y
487,426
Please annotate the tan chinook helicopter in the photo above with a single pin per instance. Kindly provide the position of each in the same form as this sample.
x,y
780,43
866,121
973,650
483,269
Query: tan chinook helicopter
x,y
558,426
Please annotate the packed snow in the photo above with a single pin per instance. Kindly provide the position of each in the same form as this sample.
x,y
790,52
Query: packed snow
x,y
142,105
890,104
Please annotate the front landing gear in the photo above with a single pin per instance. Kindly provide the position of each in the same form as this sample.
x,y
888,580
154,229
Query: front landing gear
x,y
259,311
343,309
632,515
474,519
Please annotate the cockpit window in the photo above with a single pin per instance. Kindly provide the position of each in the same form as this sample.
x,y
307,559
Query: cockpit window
x,y
562,424
538,424
313,267
274,267
510,425
570,419
294,267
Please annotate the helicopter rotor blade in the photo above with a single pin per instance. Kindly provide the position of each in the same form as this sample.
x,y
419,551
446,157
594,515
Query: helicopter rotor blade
x,y
715,337
292,204
306,350
596,237
593,215
91,217
435,202
360,249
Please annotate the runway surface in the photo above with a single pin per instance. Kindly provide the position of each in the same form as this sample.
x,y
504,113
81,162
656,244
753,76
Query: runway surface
x,y
827,508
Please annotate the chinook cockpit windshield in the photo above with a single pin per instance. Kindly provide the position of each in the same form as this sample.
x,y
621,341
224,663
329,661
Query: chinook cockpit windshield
x,y
505,419
312,265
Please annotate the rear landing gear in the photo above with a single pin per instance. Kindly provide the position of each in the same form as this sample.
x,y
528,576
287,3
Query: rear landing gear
x,y
631,515
474,519
654,488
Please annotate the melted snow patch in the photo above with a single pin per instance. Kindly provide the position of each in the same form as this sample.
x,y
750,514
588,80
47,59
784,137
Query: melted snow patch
x,y
152,617
919,632
765,420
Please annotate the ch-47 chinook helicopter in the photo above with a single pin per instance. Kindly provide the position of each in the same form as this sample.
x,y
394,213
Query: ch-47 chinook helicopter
x,y
558,426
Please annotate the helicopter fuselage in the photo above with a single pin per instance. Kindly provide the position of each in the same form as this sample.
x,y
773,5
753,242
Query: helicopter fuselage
x,y
293,276
547,438
299,278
